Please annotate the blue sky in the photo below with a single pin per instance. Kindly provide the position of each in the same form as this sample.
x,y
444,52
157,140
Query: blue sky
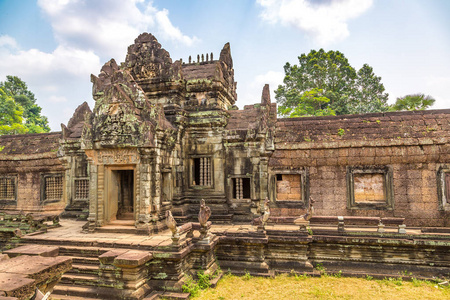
x,y
54,45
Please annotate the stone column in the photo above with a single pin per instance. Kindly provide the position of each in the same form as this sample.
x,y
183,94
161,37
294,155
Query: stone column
x,y
92,219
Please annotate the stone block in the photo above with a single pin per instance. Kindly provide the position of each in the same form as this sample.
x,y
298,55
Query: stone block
x,y
40,250
107,258
132,259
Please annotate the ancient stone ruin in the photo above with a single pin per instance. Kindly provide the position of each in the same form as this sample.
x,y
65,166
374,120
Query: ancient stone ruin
x,y
167,177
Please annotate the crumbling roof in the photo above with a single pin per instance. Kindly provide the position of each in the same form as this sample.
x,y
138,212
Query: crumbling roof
x,y
394,126
243,119
199,71
29,143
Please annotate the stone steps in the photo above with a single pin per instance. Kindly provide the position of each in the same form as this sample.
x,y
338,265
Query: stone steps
x,y
84,269
79,279
68,291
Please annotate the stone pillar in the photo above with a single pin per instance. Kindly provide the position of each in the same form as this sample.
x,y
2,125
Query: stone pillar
x,y
92,219
101,192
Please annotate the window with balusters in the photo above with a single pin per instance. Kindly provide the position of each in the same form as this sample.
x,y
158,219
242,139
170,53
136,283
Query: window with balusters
x,y
52,187
241,188
202,171
8,188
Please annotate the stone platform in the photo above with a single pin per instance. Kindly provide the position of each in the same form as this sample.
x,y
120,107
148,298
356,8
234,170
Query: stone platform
x,y
115,264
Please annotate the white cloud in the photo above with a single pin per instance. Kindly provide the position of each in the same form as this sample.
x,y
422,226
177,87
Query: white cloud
x,y
251,93
108,27
57,99
325,21
60,79
7,41
437,87
88,34
171,31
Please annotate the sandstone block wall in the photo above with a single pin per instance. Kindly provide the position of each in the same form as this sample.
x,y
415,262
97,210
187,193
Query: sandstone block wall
x,y
412,146
29,157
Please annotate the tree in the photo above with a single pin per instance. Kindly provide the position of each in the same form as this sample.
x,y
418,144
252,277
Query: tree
x,y
332,75
413,102
10,115
17,89
368,93
311,103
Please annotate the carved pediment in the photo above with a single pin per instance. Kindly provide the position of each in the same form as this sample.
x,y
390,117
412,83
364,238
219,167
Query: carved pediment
x,y
147,60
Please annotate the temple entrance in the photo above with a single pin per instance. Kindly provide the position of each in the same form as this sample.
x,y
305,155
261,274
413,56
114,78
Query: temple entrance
x,y
120,203
125,198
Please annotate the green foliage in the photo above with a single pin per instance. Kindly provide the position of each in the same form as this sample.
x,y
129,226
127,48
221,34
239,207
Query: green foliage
x,y
341,132
324,83
194,287
203,280
247,276
368,277
395,281
19,112
413,102
321,269
368,93
191,287
338,274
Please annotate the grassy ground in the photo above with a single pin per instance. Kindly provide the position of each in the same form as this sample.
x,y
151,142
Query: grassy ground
x,y
326,287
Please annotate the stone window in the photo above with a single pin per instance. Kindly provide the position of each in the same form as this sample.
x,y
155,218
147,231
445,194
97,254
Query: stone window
x,y
8,189
202,171
52,187
444,188
81,189
370,187
289,187
241,188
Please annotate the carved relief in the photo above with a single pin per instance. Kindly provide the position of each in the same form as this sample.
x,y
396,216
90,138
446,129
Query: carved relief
x,y
117,156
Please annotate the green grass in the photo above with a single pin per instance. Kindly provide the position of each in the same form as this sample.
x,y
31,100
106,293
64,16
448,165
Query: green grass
x,y
326,287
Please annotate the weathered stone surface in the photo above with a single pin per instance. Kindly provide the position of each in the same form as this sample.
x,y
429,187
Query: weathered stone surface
x,y
39,250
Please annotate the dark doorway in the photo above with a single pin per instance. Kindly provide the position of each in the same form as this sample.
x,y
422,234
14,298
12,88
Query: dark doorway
x,y
125,210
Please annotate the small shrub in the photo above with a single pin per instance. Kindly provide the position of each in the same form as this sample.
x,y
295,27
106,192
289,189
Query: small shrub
x,y
247,276
368,277
191,287
338,274
341,132
321,269
203,280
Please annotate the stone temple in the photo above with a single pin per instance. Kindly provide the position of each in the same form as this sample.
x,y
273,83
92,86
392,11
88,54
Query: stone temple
x,y
165,134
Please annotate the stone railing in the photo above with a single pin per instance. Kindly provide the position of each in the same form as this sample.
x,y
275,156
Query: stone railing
x,y
342,221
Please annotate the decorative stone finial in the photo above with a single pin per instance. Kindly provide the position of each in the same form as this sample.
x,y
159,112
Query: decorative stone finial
x,y
198,58
265,97
207,57
303,220
172,224
203,58
190,59
204,213
211,56
265,214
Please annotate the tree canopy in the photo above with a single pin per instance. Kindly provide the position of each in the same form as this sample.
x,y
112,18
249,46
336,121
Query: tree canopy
x,y
18,109
324,83
413,102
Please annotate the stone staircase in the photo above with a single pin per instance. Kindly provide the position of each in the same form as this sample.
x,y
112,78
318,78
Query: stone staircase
x,y
216,202
90,279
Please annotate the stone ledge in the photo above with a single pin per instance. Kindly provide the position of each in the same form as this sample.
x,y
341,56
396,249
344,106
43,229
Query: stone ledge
x,y
39,250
